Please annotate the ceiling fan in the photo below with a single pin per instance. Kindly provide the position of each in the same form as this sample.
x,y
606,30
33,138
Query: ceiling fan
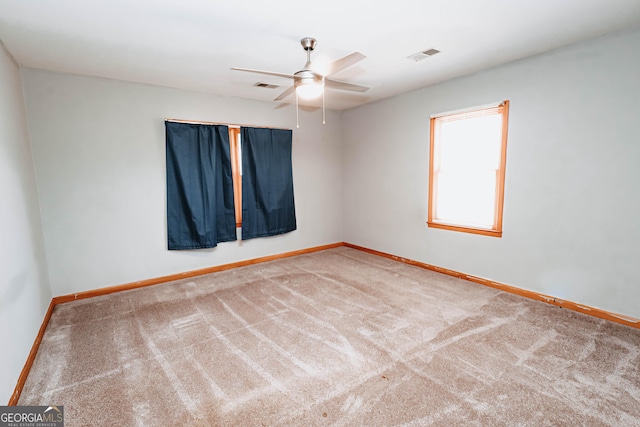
x,y
309,84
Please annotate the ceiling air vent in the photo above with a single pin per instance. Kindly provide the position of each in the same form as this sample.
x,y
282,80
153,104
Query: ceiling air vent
x,y
266,85
423,54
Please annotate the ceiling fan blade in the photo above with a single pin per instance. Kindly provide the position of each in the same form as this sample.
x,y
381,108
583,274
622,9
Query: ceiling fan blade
x,y
345,62
284,94
268,73
344,86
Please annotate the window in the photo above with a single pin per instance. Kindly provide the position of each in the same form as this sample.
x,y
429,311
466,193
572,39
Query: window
x,y
467,169
224,177
236,170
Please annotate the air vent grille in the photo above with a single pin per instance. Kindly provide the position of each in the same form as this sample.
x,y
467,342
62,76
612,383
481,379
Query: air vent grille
x,y
423,54
266,85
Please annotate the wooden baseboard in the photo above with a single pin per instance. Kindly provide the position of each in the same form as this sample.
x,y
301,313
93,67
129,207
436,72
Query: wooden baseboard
x,y
581,308
187,274
13,401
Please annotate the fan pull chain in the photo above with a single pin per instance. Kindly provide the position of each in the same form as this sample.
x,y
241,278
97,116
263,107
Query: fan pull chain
x,y
297,119
323,122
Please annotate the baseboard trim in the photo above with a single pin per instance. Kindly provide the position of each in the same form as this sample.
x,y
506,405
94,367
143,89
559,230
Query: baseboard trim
x,y
13,401
170,278
581,308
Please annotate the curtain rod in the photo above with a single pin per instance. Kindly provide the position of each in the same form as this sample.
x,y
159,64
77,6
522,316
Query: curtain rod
x,y
231,125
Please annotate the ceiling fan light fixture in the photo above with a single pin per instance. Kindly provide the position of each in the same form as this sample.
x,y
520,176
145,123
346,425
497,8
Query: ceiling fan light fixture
x,y
309,89
308,84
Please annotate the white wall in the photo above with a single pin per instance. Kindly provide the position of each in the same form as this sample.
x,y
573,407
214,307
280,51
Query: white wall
x,y
99,152
572,201
24,285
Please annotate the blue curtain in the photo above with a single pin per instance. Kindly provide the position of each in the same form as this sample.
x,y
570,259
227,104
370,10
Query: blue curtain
x,y
200,211
267,183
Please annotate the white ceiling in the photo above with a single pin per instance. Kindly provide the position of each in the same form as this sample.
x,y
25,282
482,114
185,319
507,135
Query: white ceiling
x,y
191,44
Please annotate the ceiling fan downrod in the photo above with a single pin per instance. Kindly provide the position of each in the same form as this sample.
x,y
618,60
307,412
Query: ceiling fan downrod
x,y
308,44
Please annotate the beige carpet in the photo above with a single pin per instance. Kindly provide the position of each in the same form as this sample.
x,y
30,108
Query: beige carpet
x,y
340,338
